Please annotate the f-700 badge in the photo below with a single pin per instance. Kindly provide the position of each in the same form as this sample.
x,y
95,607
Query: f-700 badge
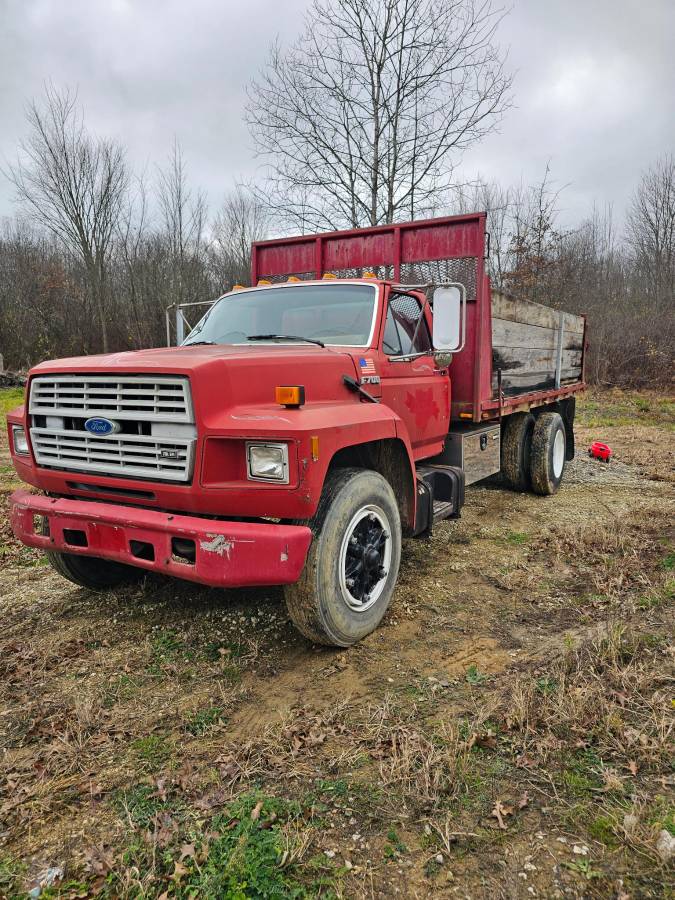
x,y
370,379
168,454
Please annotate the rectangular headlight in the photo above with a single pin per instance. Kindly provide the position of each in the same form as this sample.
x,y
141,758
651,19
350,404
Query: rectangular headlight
x,y
19,440
267,462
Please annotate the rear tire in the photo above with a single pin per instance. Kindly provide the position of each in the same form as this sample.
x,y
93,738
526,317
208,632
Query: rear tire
x,y
547,459
92,572
352,565
516,450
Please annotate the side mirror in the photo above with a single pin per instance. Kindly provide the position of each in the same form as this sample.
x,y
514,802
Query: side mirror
x,y
449,318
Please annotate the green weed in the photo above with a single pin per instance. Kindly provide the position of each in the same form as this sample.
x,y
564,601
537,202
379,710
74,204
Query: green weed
x,y
338,788
204,720
602,829
165,647
250,854
546,684
152,752
584,868
474,677
517,538
663,814
11,874
140,804
394,846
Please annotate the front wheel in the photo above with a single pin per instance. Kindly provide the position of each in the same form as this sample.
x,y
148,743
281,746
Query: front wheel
x,y
92,572
352,565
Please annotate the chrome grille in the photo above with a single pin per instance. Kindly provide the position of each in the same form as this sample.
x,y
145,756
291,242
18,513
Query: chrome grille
x,y
120,397
136,456
155,436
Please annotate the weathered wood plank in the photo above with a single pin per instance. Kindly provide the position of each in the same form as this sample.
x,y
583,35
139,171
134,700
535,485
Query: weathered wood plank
x,y
520,334
521,360
523,383
529,313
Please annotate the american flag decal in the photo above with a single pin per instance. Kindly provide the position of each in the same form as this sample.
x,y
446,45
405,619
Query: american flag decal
x,y
367,366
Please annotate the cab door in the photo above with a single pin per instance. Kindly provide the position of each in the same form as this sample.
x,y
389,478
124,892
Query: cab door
x,y
412,385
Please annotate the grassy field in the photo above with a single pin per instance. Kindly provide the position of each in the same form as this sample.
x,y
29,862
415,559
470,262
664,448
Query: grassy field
x,y
507,732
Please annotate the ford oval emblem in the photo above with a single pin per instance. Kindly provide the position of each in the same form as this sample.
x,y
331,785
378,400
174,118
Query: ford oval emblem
x,y
101,426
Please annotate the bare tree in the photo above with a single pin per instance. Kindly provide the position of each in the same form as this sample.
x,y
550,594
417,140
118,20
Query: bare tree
x,y
240,221
74,186
183,212
496,201
534,238
651,231
362,120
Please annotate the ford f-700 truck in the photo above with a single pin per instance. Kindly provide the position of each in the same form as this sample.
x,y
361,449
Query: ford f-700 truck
x,y
305,425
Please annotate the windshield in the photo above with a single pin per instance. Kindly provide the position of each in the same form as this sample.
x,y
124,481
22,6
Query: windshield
x,y
340,314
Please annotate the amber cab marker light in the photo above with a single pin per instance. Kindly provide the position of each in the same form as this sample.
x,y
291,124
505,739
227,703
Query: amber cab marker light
x,y
290,397
369,275
314,443
292,278
328,276
263,281
238,287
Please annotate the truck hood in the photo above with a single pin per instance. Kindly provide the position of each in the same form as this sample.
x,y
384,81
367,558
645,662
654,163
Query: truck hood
x,y
220,373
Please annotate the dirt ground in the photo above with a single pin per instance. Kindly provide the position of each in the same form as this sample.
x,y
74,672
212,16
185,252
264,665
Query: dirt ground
x,y
506,733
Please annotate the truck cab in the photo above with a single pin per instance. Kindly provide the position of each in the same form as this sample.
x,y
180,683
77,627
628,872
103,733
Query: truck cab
x,y
304,427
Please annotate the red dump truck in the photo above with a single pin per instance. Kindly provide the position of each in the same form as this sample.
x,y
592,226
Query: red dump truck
x,y
305,425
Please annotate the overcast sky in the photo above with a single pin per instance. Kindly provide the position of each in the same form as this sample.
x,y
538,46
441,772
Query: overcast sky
x,y
594,90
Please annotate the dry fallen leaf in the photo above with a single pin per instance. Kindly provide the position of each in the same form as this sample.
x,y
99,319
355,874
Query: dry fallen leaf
x,y
179,871
500,811
255,812
633,767
524,800
100,860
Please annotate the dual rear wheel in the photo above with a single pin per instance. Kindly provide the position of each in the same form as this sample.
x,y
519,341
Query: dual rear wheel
x,y
534,452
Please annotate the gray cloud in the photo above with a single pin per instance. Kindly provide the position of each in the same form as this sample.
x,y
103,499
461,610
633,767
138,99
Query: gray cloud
x,y
593,93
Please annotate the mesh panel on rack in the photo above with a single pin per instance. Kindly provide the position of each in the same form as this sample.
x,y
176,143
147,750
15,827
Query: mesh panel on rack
x,y
461,270
384,272
276,279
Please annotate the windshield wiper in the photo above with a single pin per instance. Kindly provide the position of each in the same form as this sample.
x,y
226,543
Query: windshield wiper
x,y
197,343
283,337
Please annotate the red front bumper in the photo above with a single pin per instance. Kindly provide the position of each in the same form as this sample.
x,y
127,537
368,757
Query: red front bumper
x,y
227,554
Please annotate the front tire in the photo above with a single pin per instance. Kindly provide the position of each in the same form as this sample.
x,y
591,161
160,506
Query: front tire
x,y
352,565
547,458
92,572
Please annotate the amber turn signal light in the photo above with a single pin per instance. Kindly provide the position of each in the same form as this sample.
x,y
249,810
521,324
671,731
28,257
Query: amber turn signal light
x,y
290,396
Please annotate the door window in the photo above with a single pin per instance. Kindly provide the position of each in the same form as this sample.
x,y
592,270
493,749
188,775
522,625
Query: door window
x,y
403,332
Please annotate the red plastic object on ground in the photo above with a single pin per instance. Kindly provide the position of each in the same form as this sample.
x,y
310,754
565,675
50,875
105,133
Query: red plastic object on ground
x,y
600,451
